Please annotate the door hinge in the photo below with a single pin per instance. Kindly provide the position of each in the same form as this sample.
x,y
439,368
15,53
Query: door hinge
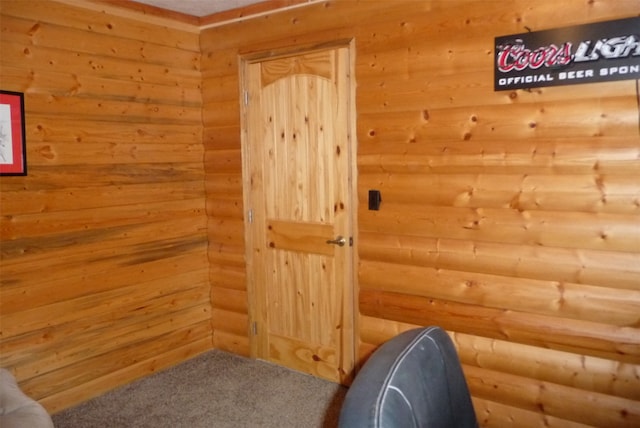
x,y
250,216
254,328
246,97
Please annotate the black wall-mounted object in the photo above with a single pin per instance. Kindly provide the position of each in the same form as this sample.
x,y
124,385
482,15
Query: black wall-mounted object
x,y
595,52
374,200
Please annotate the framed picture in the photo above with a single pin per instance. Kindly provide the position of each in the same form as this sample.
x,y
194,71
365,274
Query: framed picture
x,y
13,151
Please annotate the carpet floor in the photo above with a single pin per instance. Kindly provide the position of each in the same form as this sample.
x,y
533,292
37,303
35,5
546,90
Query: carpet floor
x,y
214,390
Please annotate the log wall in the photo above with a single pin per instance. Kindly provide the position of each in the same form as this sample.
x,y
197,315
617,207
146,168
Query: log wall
x,y
104,272
512,219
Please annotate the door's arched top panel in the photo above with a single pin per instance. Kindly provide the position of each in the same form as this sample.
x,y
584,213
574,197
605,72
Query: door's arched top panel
x,y
300,133
322,64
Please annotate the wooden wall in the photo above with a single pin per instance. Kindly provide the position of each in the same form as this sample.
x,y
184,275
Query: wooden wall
x,y
104,275
512,219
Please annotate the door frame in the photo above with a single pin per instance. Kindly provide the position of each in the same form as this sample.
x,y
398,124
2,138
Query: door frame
x,y
257,310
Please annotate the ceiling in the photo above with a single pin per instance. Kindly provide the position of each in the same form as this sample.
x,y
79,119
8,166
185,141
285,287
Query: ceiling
x,y
199,8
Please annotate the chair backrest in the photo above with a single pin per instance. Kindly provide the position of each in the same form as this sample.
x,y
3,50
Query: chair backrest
x,y
413,380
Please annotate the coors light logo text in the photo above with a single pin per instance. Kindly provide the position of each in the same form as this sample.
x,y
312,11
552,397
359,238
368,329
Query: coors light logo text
x,y
518,57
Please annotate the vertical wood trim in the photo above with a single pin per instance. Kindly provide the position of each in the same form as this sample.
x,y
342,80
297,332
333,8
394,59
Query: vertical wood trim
x,y
349,327
257,308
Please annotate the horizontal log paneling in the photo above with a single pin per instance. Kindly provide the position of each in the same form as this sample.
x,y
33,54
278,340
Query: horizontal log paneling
x,y
229,299
219,88
588,373
55,176
233,322
510,218
625,164
397,30
496,415
582,337
144,261
50,130
223,112
298,25
549,120
92,368
162,359
226,231
375,331
238,344
157,260
592,231
226,255
94,19
224,185
19,298
107,110
128,332
604,155
221,138
105,153
35,251
555,400
617,270
228,208
560,299
222,161
30,225
215,66
29,345
47,35
452,88
17,202
58,60
62,83
229,276
614,194
104,243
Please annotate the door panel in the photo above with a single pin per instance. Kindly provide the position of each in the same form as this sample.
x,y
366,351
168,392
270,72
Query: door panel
x,y
300,236
298,187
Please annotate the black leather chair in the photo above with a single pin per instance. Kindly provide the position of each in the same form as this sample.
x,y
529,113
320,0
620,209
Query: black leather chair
x,y
413,380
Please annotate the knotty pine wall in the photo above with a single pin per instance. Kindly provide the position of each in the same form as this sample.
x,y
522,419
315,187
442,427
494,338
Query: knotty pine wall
x,y
512,219
104,272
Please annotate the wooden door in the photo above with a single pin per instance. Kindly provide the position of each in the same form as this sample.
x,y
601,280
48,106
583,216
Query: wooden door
x,y
298,189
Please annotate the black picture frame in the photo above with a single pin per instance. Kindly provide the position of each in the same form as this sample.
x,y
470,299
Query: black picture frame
x,y
13,147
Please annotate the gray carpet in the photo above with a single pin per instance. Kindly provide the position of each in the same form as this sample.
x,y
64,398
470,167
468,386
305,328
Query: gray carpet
x,y
216,389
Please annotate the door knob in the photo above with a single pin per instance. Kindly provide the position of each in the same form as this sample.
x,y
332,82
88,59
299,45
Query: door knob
x,y
339,241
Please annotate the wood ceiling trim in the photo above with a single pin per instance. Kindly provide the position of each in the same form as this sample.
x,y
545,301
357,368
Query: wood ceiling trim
x,y
139,12
135,10
152,10
244,12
